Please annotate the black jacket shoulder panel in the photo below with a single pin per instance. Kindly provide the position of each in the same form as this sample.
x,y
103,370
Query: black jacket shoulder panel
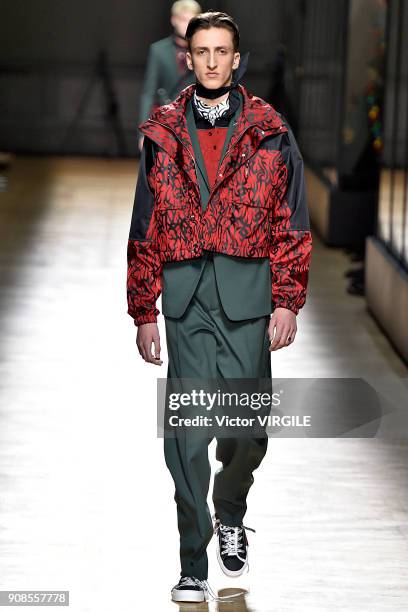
x,y
144,197
296,187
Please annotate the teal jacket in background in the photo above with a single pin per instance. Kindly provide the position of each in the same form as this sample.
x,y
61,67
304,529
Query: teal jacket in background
x,y
162,80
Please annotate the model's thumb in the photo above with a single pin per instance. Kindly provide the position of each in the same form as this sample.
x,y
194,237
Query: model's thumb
x,y
156,348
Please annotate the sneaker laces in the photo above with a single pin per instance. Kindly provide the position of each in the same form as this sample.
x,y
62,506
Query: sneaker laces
x,y
187,581
204,585
232,539
232,543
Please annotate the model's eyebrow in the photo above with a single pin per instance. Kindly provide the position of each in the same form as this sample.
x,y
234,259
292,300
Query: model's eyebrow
x,y
216,48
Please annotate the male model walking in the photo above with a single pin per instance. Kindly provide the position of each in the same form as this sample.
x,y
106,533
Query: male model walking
x,y
220,228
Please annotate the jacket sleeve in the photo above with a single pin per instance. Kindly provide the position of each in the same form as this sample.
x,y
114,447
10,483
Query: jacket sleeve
x,y
150,85
291,240
144,268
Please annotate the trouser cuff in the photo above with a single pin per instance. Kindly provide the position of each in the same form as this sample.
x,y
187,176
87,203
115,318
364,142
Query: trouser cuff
x,y
199,568
228,519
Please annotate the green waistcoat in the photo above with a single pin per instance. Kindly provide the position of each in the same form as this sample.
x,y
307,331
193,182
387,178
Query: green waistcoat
x,y
244,283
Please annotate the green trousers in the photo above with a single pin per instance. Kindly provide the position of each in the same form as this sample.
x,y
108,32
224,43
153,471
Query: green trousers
x,y
205,343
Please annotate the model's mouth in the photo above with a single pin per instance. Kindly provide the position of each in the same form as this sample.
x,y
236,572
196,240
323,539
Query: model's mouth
x,y
211,74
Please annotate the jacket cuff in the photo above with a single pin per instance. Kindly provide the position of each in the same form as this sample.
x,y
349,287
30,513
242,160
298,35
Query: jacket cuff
x,y
146,318
285,303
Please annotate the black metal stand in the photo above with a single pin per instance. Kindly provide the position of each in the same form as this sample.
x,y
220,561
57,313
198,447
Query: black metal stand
x,y
101,72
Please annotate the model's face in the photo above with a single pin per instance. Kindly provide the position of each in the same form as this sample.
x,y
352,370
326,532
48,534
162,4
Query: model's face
x,y
180,22
212,51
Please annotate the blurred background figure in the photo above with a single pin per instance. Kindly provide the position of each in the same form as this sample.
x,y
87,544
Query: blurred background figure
x,y
166,70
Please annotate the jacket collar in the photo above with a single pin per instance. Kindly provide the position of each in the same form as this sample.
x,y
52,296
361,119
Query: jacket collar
x,y
167,125
255,110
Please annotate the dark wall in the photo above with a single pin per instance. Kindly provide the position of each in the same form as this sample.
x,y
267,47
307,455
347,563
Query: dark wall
x,y
316,41
49,50
48,53
67,32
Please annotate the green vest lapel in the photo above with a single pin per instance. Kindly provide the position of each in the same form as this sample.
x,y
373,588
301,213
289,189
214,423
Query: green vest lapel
x,y
199,161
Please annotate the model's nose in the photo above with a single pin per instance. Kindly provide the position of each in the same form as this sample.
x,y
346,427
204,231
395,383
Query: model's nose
x,y
212,64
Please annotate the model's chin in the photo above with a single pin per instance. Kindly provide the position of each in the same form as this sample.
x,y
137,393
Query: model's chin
x,y
211,83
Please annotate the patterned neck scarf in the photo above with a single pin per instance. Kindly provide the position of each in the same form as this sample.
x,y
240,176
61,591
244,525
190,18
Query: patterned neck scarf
x,y
211,113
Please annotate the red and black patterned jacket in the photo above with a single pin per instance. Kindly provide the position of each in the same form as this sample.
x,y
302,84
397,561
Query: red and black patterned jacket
x,y
257,206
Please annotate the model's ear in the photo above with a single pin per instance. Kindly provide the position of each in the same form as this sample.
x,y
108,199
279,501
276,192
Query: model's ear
x,y
189,61
237,57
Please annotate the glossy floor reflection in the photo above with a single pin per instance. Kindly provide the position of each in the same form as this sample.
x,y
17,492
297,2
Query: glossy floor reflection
x,y
86,499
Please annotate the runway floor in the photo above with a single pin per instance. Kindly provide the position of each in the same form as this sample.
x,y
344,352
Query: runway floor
x,y
86,499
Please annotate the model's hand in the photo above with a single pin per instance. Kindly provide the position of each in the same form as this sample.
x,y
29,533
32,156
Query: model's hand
x,y
284,321
141,138
147,334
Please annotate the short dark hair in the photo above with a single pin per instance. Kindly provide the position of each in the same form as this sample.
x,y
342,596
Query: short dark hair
x,y
212,19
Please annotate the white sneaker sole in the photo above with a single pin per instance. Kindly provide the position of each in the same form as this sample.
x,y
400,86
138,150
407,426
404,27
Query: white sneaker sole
x,y
232,573
187,595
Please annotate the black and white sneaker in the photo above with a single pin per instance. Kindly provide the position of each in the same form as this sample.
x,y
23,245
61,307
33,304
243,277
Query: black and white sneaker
x,y
189,589
232,548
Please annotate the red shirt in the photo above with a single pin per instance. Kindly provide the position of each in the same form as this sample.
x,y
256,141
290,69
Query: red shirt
x,y
211,142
